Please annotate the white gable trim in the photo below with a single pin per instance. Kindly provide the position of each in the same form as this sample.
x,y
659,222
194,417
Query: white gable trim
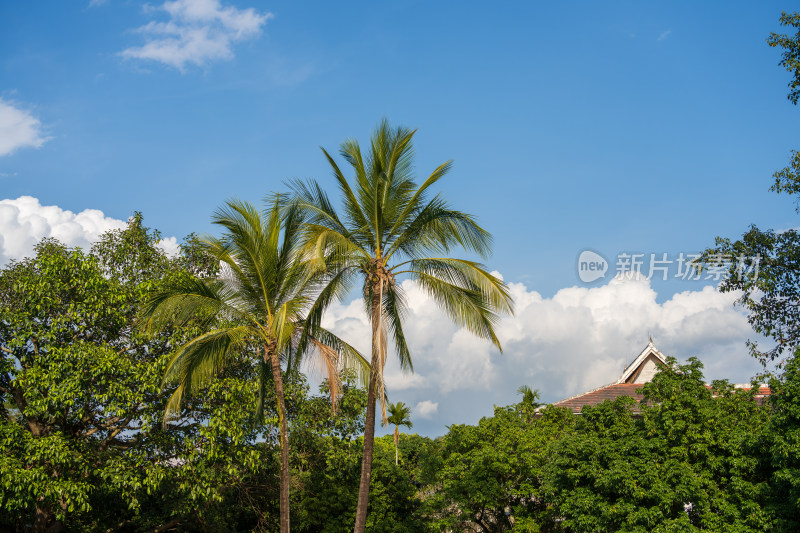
x,y
649,350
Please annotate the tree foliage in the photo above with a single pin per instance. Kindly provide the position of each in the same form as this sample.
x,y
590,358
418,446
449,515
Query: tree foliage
x,y
781,443
80,434
690,463
489,477
790,59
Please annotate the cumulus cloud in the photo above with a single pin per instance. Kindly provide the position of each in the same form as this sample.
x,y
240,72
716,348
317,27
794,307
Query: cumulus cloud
x,y
578,339
584,337
426,409
170,246
18,129
25,221
198,31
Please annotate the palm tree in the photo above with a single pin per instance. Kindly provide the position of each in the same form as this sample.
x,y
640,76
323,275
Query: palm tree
x,y
530,400
265,297
391,228
399,415
530,397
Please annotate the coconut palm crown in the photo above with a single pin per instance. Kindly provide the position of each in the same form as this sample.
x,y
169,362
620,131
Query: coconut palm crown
x,y
399,415
266,297
391,228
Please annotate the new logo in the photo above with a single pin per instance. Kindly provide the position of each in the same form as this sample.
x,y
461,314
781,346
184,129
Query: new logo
x,y
591,266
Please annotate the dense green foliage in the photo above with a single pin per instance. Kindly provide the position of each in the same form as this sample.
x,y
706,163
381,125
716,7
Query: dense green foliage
x,y
689,463
781,443
490,475
83,446
80,433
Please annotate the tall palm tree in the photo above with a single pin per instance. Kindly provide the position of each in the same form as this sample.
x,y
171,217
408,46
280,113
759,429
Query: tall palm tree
x,y
391,227
267,297
399,415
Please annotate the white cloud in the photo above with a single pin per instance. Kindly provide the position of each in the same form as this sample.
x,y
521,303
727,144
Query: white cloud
x,y
426,409
578,339
170,246
18,129
583,337
25,221
197,31
664,35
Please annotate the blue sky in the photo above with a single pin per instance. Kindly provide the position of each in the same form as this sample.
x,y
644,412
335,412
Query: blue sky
x,y
618,127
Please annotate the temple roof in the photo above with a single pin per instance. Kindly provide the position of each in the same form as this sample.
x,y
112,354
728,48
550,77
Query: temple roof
x,y
644,367
601,394
636,374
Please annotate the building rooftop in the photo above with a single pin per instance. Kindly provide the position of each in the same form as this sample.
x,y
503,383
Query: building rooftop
x,y
636,374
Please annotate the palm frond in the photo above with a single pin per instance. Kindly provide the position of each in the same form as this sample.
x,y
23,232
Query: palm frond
x,y
415,202
469,275
400,415
324,246
353,210
186,299
394,308
310,198
194,363
336,287
349,359
467,306
285,322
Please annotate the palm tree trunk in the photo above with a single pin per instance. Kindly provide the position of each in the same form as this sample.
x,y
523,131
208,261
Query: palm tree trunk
x,y
271,357
369,423
396,439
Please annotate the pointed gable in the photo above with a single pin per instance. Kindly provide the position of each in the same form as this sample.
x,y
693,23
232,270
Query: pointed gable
x,y
644,367
636,374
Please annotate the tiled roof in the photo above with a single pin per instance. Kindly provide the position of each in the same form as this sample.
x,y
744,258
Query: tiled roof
x,y
633,390
636,371
597,396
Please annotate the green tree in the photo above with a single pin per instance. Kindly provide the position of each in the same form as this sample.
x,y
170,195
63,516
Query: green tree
x,y
388,229
46,365
326,458
762,264
689,463
791,52
327,452
488,477
530,400
782,448
81,446
399,415
259,304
